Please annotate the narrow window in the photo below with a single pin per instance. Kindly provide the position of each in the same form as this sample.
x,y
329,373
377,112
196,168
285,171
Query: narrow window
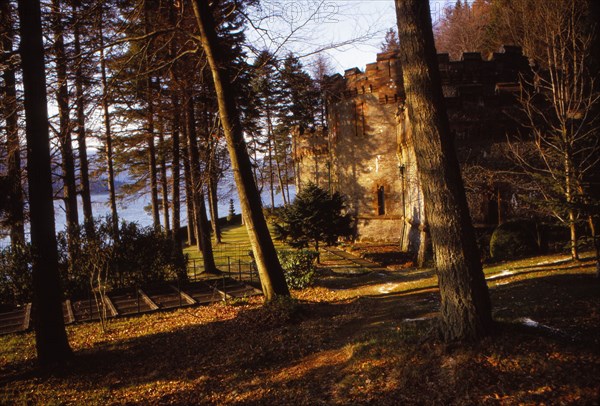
x,y
380,200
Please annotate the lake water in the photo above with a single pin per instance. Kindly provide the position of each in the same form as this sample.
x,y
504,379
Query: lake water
x,y
132,210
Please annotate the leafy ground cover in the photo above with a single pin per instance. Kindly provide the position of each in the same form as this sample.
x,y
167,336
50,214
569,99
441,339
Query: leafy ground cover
x,y
364,339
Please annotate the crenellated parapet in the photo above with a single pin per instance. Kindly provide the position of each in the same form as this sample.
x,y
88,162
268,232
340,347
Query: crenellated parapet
x,y
469,79
367,151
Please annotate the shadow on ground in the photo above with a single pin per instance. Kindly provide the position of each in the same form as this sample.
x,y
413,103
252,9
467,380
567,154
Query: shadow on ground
x,y
372,350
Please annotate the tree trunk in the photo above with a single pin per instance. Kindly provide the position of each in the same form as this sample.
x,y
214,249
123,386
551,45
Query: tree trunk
x,y
271,173
152,157
422,254
175,171
465,303
189,195
88,216
596,241
570,210
175,144
213,203
114,214
201,219
15,190
270,144
212,178
66,147
164,184
150,130
269,268
51,338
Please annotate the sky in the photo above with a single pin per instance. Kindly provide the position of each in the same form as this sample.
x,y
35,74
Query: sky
x,y
349,32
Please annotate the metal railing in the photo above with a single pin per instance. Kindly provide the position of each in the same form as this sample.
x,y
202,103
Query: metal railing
x,y
232,266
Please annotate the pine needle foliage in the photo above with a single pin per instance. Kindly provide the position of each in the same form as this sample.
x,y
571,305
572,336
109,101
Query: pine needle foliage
x,y
315,217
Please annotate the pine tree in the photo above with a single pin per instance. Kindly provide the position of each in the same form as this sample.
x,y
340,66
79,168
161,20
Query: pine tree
x,y
314,217
390,42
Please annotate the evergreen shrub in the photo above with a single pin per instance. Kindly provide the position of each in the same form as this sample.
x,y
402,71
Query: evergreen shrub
x,y
514,239
298,266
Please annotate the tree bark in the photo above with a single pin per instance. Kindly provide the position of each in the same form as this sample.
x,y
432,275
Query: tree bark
x,y
164,183
16,216
51,338
150,130
64,137
88,216
213,203
269,269
212,179
465,303
570,210
189,196
175,144
201,219
114,214
152,156
175,171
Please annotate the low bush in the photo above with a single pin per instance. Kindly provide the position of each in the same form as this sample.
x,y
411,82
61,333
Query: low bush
x,y
141,256
514,239
15,276
298,266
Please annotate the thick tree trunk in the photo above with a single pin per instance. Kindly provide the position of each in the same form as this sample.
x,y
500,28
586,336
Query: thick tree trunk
x,y
51,338
88,216
15,190
201,219
465,303
108,149
269,268
66,147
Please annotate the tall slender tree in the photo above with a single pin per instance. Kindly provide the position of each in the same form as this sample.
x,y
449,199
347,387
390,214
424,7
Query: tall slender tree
x,y
197,186
51,338
175,134
10,112
149,111
465,303
88,216
269,268
65,129
108,133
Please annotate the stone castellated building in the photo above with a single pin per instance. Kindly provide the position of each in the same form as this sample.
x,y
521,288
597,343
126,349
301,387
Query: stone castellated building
x,y
366,152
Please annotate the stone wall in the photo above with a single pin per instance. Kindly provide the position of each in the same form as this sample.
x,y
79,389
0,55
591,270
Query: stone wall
x,y
367,154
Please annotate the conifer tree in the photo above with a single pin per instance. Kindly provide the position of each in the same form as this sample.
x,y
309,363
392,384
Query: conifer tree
x,y
315,216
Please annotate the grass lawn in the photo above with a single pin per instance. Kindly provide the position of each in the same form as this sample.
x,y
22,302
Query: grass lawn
x,y
234,247
364,339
